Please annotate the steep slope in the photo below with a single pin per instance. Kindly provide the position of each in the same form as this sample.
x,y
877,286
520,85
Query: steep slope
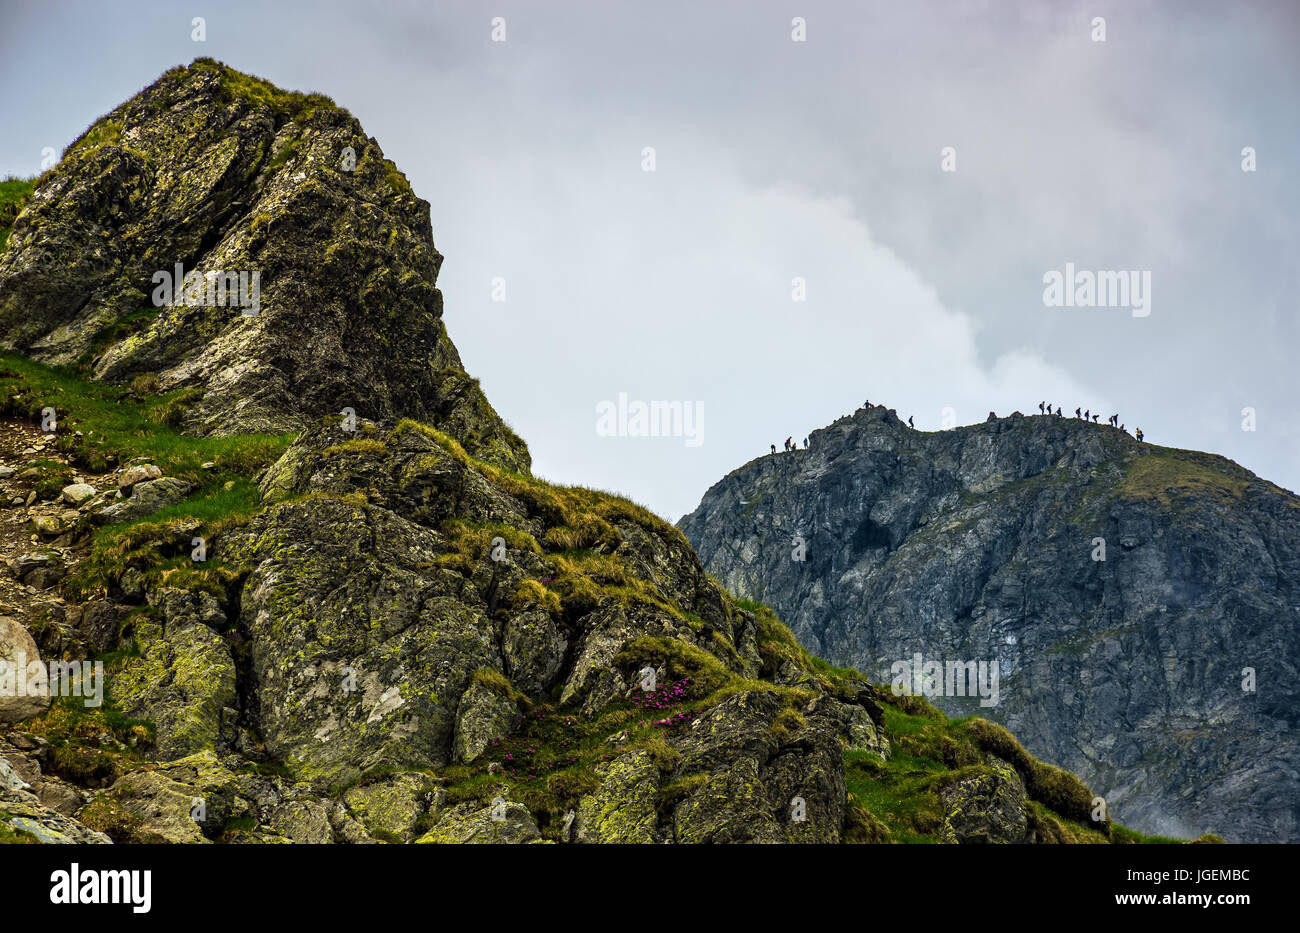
x,y
987,543
320,629
222,173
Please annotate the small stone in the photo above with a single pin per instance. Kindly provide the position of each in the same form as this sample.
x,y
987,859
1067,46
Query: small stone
x,y
138,474
78,493
48,525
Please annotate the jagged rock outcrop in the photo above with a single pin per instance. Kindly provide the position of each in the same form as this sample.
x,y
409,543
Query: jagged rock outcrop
x,y
222,173
986,543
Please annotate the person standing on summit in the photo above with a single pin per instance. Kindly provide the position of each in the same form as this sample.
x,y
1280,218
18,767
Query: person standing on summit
x,y
1040,407
1076,413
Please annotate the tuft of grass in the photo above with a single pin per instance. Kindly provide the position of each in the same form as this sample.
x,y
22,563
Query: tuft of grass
x,y
103,132
286,105
500,684
14,194
1055,787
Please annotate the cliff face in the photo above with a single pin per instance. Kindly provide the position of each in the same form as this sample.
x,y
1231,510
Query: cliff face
x,y
221,173
986,543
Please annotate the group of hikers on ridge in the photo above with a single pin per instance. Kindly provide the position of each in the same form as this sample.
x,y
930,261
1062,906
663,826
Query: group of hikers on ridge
x,y
911,424
1045,408
792,444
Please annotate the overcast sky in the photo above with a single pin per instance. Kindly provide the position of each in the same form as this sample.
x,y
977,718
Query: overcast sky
x,y
777,160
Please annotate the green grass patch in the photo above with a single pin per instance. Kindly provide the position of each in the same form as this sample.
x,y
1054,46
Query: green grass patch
x,y
116,427
286,105
14,193
1173,477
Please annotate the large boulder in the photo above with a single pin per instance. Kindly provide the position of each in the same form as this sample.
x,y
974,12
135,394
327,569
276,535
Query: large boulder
x,y
503,822
623,809
987,805
24,681
184,678
484,715
146,498
22,813
758,770
361,647
393,807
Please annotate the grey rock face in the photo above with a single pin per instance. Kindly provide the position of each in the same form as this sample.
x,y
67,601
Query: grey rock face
x,y
504,824
145,499
22,811
985,543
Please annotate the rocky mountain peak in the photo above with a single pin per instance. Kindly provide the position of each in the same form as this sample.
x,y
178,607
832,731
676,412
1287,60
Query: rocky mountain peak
x,y
219,234
1126,592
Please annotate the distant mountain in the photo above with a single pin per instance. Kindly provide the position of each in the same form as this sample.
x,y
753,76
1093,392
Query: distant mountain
x,y
985,543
